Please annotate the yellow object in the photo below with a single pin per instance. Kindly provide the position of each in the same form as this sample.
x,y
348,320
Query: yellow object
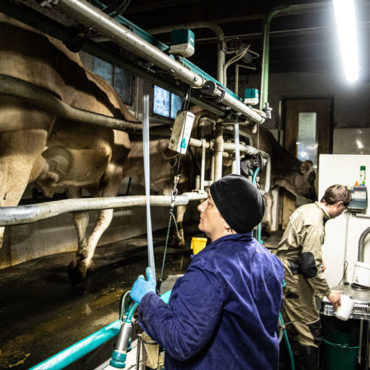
x,y
197,244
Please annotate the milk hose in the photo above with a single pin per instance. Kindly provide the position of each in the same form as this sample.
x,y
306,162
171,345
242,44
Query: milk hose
x,y
285,335
254,182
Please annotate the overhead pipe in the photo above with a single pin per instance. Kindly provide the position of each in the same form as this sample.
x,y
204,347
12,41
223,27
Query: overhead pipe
x,y
90,16
41,211
266,45
220,41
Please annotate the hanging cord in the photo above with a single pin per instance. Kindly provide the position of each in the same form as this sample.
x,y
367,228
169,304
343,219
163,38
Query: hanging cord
x,y
186,103
173,199
172,217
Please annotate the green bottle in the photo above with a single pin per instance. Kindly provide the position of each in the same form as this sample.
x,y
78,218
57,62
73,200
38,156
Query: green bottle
x,y
362,175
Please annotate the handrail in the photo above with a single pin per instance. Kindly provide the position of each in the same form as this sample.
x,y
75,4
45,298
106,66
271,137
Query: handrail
x,y
35,212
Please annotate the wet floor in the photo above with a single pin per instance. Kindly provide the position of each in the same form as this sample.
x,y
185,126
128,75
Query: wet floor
x,y
41,313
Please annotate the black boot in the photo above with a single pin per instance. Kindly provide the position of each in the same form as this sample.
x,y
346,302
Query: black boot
x,y
308,358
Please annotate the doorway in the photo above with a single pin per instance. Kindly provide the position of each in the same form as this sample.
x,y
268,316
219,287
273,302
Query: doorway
x,y
308,128
308,132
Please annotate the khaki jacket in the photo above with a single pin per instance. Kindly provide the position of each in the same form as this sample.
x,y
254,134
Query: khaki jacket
x,y
300,247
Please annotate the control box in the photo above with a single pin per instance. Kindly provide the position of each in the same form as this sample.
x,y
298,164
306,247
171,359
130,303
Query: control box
x,y
251,96
182,42
359,199
181,131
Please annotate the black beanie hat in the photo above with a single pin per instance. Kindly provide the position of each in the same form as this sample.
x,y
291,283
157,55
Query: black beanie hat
x,y
239,202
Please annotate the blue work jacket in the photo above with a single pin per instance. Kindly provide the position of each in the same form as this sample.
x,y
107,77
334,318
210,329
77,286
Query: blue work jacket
x,y
223,313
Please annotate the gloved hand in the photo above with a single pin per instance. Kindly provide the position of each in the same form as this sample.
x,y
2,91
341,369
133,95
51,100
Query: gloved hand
x,y
142,286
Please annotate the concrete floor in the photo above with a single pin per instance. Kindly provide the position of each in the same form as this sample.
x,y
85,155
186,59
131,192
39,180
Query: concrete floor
x,y
41,313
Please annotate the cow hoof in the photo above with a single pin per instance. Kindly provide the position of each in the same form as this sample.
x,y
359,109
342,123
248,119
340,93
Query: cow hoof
x,y
77,270
176,242
181,243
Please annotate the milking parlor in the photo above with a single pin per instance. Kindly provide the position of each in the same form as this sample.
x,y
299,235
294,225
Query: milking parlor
x,y
184,184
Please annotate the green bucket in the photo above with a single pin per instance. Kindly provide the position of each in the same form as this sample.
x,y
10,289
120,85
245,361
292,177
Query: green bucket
x,y
340,351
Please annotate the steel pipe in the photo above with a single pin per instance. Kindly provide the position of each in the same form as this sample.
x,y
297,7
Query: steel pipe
x,y
250,150
90,16
218,153
35,212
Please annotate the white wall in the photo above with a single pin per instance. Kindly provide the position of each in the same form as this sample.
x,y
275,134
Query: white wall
x,y
343,169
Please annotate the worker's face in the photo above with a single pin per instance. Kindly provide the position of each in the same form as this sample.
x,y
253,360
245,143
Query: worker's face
x,y
211,222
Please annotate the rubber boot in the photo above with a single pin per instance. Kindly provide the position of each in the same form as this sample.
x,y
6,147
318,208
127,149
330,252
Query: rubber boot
x,y
308,358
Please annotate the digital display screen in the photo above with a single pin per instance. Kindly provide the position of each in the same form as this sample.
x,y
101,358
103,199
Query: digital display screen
x,y
176,105
161,102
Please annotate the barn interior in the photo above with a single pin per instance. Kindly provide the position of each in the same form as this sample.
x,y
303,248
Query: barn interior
x,y
266,83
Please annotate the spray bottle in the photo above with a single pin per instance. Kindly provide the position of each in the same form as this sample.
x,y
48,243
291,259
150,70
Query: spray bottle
x,y
362,175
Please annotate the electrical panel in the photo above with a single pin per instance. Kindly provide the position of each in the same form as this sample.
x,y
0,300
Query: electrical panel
x,y
359,199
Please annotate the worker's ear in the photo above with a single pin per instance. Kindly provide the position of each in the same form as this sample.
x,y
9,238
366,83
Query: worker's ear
x,y
338,204
227,226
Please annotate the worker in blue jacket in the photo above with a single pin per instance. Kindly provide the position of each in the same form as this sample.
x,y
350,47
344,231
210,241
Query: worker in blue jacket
x,y
223,313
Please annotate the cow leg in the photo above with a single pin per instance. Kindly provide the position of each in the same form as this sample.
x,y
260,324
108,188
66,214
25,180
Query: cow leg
x,y
103,221
81,221
108,187
267,219
19,151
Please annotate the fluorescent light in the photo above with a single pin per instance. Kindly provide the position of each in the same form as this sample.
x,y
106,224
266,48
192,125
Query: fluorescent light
x,y
359,144
344,11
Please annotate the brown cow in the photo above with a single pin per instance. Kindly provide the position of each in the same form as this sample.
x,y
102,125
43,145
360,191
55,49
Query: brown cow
x,y
287,171
37,146
163,167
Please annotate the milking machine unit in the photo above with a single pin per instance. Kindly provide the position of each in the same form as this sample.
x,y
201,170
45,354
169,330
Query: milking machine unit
x,y
124,338
123,344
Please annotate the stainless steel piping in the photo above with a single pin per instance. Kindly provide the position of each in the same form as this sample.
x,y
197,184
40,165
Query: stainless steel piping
x,y
92,17
218,152
35,212
230,147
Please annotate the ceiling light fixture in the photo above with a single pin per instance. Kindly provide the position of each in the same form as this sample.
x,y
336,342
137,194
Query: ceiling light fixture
x,y
345,16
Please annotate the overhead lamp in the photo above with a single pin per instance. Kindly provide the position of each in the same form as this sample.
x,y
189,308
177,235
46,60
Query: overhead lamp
x,y
345,17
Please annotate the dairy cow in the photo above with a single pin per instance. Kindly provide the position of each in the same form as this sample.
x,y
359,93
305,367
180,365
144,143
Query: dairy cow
x,y
36,145
287,171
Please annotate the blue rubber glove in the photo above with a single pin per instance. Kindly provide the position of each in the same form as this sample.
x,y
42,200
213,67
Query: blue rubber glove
x,y
142,286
